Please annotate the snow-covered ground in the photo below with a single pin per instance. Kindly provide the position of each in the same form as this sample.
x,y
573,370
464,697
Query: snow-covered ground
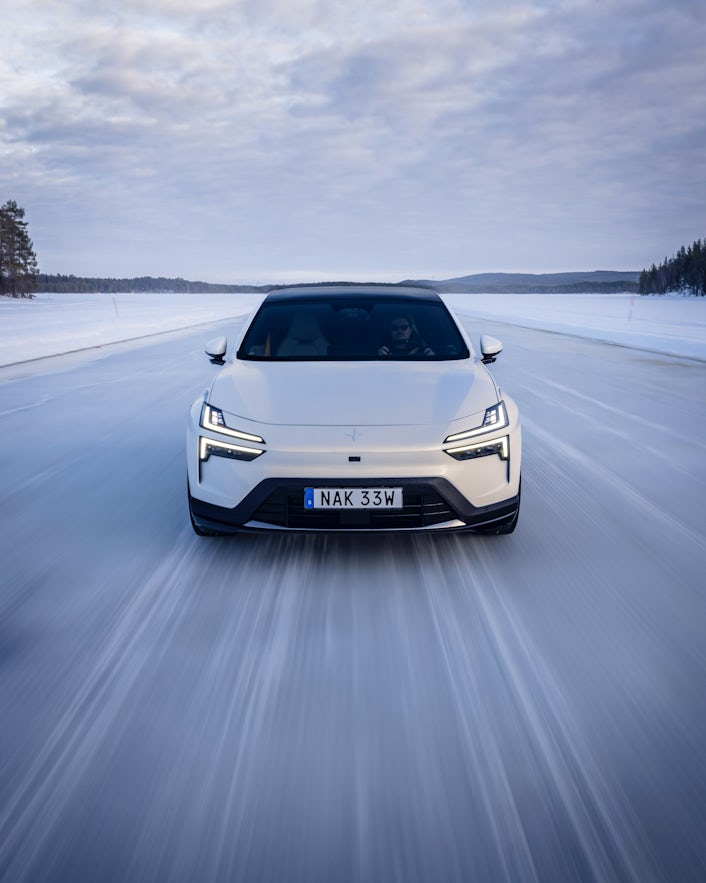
x,y
673,325
53,324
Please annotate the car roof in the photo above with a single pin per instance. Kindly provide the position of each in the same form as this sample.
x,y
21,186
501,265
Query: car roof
x,y
359,292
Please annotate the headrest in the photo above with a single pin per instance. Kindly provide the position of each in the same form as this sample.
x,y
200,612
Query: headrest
x,y
304,327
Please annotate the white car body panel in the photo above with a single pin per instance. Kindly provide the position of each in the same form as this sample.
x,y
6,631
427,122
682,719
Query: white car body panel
x,y
350,393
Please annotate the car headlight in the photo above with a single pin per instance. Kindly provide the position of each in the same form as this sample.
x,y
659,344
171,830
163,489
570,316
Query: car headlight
x,y
499,446
208,447
495,418
213,419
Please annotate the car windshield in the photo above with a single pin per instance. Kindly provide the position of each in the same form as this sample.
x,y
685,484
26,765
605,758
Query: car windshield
x,y
361,329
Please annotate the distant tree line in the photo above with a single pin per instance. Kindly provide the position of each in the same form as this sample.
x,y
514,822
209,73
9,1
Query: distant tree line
x,y
18,262
585,288
685,272
285,285
90,285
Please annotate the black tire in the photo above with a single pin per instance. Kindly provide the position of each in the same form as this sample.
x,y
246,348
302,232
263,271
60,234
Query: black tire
x,y
198,530
510,525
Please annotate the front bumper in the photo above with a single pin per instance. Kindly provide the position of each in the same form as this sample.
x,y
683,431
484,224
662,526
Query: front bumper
x,y
430,504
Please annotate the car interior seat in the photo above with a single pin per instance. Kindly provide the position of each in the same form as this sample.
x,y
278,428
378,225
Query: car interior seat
x,y
304,337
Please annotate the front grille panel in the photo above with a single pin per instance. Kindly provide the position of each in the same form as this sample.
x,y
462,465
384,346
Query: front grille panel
x,y
422,507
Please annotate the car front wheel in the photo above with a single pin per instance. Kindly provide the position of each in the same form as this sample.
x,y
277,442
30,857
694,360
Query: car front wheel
x,y
198,530
510,524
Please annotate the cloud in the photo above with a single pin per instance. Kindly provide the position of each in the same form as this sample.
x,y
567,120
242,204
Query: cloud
x,y
309,134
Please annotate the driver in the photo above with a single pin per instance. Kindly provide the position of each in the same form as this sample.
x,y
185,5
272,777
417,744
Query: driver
x,y
403,339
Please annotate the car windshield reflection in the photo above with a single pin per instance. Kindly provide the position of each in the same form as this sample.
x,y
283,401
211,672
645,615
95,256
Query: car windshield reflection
x,y
326,328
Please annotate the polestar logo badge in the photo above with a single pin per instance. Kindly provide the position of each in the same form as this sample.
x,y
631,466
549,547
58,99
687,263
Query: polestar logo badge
x,y
355,435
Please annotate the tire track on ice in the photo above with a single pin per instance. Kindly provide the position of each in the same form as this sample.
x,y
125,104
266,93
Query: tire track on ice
x,y
31,813
546,753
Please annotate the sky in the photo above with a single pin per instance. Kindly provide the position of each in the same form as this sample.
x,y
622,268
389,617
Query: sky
x,y
301,140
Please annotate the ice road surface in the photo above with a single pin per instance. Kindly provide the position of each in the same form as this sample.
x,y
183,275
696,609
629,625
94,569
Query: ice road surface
x,y
352,709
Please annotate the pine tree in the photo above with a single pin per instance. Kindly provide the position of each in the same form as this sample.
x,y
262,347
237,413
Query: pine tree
x,y
685,272
18,261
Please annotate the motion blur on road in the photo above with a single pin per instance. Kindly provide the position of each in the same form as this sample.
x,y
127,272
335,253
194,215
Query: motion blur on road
x,y
372,708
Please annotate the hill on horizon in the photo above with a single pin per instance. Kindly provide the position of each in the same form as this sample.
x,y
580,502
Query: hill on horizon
x,y
590,280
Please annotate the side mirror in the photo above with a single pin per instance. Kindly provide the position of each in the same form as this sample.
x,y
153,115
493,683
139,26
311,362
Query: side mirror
x,y
216,350
491,348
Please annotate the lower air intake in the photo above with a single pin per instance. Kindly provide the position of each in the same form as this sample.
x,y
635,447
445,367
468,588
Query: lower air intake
x,y
422,507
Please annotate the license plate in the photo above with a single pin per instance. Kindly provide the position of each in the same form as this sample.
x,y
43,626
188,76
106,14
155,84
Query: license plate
x,y
353,498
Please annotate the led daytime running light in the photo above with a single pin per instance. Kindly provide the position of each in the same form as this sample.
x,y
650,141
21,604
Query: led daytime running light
x,y
209,447
499,446
495,418
213,419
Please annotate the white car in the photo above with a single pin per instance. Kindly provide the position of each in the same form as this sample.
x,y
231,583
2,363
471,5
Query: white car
x,y
354,408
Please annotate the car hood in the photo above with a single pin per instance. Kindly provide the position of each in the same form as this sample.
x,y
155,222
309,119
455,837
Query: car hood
x,y
346,393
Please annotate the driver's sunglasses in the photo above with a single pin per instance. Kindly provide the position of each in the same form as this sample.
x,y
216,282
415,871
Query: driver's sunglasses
x,y
399,327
